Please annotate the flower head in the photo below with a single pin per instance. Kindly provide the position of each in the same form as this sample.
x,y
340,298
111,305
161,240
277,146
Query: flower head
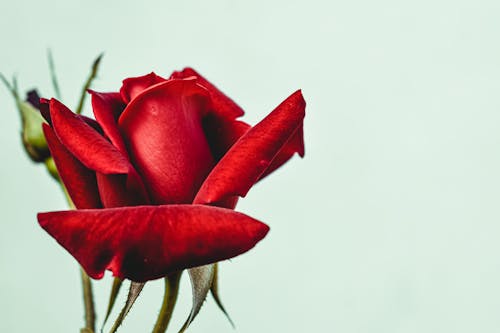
x,y
156,176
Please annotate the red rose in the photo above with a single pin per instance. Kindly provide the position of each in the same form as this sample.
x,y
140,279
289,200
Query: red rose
x,y
146,176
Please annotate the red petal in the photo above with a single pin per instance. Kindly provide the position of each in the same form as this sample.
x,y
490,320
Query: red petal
x,y
294,145
135,85
45,109
107,108
79,181
164,134
85,143
249,158
223,105
120,191
148,242
222,133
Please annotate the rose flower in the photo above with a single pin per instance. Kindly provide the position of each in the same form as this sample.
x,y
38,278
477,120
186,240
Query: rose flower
x,y
156,176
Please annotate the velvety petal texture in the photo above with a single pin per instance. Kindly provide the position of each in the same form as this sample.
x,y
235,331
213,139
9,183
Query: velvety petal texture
x,y
156,177
254,152
222,105
85,143
147,242
107,109
80,182
164,134
135,85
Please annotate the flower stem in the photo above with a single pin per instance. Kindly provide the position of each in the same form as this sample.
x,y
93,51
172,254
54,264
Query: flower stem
x,y
172,282
88,300
86,86
88,295
53,76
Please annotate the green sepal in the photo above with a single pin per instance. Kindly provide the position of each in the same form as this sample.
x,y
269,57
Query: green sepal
x,y
214,290
133,293
201,281
115,289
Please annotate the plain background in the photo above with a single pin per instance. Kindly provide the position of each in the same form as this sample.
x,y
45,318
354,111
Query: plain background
x,y
390,223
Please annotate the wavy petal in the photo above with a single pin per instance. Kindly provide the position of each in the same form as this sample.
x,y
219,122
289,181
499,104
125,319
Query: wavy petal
x,y
165,138
80,182
294,145
253,153
223,105
148,242
133,86
85,143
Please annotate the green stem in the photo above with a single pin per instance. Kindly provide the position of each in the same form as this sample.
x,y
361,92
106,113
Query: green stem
x,y
53,76
88,300
172,282
86,86
88,295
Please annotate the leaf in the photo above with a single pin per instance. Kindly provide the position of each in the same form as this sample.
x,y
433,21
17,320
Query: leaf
x,y
214,290
201,281
172,282
117,283
133,293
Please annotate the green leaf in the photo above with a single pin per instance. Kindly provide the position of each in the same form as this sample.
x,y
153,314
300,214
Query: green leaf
x,y
172,282
133,293
201,281
214,290
117,283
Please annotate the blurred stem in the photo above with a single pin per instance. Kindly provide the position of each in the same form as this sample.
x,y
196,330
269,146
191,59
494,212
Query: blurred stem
x,y
115,289
88,299
169,299
88,295
53,76
86,86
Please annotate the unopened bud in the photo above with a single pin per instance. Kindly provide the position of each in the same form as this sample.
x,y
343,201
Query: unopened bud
x,y
32,134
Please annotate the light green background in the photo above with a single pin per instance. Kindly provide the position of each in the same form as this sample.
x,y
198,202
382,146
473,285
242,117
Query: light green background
x,y
391,222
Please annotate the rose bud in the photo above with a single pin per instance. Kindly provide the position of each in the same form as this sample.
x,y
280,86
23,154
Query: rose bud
x,y
32,133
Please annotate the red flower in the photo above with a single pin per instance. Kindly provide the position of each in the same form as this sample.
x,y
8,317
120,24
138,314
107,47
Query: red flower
x,y
146,175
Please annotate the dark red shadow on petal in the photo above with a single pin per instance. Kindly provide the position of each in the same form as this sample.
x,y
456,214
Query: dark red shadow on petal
x,y
45,109
122,190
222,133
79,181
253,153
147,242
107,109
